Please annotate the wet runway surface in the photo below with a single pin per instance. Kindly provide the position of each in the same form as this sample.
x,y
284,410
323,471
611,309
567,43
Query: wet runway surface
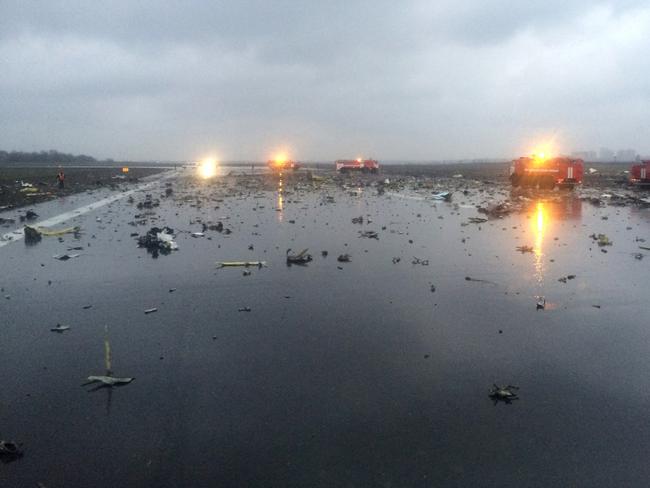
x,y
360,376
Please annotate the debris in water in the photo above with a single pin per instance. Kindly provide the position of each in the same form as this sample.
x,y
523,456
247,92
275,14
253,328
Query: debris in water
x,y
108,381
65,257
601,239
158,240
9,449
230,264
301,258
565,278
504,394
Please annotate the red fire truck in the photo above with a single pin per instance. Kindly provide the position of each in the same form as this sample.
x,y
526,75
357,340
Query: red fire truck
x,y
544,172
363,165
640,174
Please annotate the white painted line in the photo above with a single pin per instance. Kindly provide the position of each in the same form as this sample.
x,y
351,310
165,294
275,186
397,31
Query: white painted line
x,y
19,234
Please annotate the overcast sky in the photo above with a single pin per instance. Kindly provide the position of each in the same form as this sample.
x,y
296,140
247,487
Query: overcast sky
x,y
396,80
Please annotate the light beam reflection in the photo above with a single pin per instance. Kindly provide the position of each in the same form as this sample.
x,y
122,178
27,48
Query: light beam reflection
x,y
540,225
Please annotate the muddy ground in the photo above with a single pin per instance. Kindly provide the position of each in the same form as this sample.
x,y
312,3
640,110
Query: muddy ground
x,y
15,189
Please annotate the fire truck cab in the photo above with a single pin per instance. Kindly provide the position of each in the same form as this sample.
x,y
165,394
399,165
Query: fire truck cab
x,y
546,173
363,165
640,174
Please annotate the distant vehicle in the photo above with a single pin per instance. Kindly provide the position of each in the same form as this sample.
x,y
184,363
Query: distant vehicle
x,y
640,174
283,165
546,173
363,165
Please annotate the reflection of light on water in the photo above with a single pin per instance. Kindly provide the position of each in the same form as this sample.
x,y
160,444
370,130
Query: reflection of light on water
x,y
280,200
539,225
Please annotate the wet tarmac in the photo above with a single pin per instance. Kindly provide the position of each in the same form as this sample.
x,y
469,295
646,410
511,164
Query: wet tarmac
x,y
341,374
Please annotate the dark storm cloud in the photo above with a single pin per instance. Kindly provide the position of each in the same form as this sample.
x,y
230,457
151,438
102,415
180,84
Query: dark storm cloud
x,y
413,80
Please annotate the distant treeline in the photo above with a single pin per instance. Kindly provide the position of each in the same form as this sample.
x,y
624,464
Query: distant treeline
x,y
50,156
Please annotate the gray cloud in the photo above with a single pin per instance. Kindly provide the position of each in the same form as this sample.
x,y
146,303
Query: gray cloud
x,y
398,80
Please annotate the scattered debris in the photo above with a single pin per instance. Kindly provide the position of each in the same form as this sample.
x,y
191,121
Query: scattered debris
x,y
445,195
244,309
469,278
477,220
107,381
29,215
423,262
504,394
358,220
497,210
65,257
9,450
565,278
158,240
32,235
525,249
60,328
601,239
231,264
150,310
344,258
541,303
301,258
370,234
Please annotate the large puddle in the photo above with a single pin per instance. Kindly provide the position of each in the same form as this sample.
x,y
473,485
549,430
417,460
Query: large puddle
x,y
367,373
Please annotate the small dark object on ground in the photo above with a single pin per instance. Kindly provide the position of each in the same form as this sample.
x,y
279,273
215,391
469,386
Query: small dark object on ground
x,y
150,310
60,328
244,309
344,258
65,257
525,249
504,394
9,450
32,236
370,234
358,220
565,278
303,257
324,253
29,215
158,240
541,303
